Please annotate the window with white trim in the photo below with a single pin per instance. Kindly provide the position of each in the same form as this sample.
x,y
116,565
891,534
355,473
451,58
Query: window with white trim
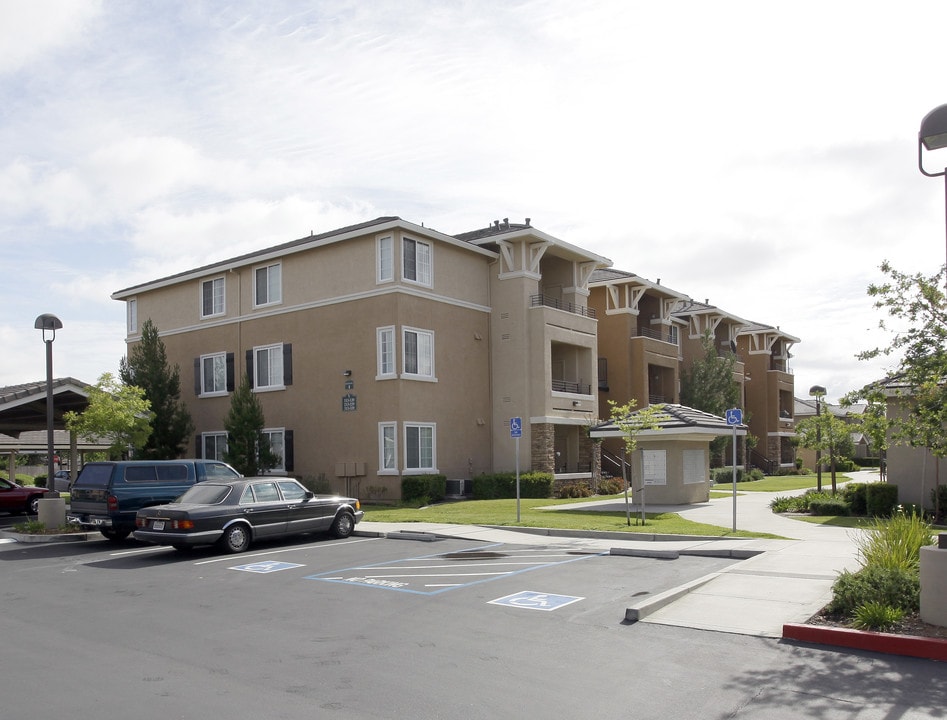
x,y
214,374
386,259
268,367
267,285
386,351
212,297
387,448
277,441
214,445
417,352
419,446
131,308
416,261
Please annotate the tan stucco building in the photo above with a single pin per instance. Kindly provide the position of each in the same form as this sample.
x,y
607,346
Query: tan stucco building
x,y
387,349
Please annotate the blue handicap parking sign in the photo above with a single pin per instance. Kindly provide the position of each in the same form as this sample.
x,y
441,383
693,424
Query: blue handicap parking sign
x,y
734,416
266,566
529,600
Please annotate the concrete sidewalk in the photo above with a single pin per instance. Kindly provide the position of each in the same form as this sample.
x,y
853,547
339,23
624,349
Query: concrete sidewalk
x,y
779,581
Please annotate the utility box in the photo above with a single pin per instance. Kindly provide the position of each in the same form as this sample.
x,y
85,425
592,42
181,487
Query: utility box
x,y
353,468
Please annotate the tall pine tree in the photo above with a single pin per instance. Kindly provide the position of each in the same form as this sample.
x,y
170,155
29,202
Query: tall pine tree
x,y
248,449
146,366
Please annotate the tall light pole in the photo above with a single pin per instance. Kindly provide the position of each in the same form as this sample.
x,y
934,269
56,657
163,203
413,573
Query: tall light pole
x,y
933,136
817,391
49,324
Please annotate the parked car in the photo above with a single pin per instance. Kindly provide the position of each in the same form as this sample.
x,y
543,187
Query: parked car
x,y
238,512
61,480
106,495
16,498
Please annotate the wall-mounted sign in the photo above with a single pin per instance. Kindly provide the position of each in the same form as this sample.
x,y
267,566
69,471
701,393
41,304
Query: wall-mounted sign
x,y
349,384
348,403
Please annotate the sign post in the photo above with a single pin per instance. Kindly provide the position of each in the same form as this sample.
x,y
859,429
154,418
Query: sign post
x,y
734,418
516,432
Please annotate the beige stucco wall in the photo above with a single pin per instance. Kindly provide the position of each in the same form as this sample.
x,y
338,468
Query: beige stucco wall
x,y
674,492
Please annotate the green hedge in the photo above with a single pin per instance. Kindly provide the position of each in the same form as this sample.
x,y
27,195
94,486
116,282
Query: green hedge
x,y
894,587
881,499
503,485
829,506
423,489
855,495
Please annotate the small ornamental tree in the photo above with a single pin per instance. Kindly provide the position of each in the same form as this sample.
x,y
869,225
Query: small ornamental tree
x,y
147,367
708,385
248,449
632,422
118,413
916,305
829,434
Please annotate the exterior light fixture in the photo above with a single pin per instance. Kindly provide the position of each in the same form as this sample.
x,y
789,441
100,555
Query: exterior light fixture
x,y
817,391
933,136
49,324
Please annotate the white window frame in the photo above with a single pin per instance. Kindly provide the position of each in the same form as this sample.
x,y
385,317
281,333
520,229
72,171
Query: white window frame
x,y
274,284
425,359
220,445
218,299
219,366
274,379
131,316
423,262
385,259
408,428
387,352
281,434
387,448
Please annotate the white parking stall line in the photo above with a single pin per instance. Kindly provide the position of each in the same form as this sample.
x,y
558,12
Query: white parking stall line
x,y
323,546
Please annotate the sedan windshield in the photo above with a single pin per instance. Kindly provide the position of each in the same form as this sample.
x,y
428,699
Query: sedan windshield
x,y
205,494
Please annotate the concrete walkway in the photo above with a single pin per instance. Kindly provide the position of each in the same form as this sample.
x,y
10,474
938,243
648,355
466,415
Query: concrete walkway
x,y
779,581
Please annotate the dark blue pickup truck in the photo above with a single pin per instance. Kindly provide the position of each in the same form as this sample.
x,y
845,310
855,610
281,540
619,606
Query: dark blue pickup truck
x,y
106,495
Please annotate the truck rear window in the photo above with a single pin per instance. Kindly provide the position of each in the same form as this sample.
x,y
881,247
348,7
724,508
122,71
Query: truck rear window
x,y
156,473
94,476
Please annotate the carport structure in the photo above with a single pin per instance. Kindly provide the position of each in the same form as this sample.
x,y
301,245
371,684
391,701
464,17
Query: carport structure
x,y
23,420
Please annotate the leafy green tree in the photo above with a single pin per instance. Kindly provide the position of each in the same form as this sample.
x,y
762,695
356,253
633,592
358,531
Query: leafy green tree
x,y
829,434
633,422
708,385
146,366
916,307
116,412
248,449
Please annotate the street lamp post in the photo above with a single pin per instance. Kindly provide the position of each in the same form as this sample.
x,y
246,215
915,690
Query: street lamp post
x,y
49,324
933,136
817,391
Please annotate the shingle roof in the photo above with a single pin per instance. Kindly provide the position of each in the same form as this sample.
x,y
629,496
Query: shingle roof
x,y
678,419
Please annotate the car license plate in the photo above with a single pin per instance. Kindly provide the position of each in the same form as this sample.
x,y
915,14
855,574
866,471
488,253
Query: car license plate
x,y
158,525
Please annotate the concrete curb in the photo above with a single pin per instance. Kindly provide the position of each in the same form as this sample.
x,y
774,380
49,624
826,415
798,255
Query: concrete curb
x,y
907,645
606,535
642,609
64,537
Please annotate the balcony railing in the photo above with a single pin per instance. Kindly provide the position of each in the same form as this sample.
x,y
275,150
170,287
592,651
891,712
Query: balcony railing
x,y
547,301
571,387
663,336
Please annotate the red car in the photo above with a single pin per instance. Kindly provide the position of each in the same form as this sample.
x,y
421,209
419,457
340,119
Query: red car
x,y
17,498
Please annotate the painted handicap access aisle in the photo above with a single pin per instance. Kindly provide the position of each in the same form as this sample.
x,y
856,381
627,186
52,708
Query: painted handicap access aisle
x,y
433,574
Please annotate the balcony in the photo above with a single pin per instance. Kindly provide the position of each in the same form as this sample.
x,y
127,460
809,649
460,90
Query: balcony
x,y
551,302
662,335
571,387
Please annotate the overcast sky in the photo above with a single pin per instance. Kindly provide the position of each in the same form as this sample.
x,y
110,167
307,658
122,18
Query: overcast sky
x,y
759,155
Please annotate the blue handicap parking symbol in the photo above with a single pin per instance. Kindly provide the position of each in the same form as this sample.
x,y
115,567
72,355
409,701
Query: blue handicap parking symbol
x,y
530,600
266,567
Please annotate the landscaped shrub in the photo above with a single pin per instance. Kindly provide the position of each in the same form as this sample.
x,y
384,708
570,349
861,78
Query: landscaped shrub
x,y
575,490
756,474
503,485
854,495
881,499
790,504
423,489
725,475
942,506
828,506
610,486
876,616
893,587
895,544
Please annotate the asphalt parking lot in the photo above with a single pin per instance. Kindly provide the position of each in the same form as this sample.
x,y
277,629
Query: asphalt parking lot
x,y
383,628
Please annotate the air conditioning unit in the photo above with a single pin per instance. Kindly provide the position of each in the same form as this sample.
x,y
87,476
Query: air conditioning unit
x,y
459,488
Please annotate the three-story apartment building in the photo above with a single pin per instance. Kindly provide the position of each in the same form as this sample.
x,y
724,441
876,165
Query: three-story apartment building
x,y
387,349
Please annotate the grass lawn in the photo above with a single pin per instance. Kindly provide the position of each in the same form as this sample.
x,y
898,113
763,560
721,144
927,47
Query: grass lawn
x,y
848,521
781,483
542,513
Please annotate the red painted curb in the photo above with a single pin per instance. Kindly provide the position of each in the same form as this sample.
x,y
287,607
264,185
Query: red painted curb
x,y
909,645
